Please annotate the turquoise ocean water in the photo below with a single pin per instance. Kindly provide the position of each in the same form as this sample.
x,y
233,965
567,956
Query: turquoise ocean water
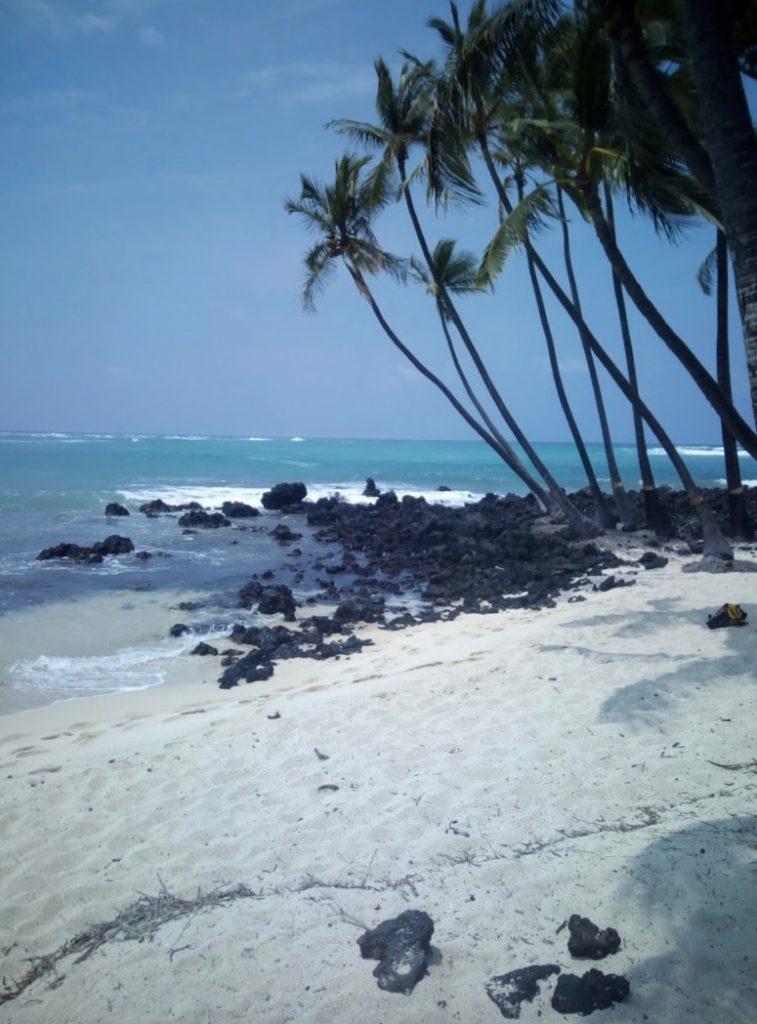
x,y
69,630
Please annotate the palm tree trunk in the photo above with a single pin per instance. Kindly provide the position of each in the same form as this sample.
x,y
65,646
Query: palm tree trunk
x,y
625,508
740,523
503,449
729,135
544,497
576,519
707,383
716,547
601,512
657,518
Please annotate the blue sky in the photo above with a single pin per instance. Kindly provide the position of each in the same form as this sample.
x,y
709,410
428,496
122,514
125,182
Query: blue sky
x,y
150,279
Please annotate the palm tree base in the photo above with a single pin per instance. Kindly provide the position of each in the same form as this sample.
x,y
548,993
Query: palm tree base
x,y
657,519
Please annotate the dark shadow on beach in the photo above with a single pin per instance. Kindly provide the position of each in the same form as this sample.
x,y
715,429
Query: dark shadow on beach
x,y
696,888
665,678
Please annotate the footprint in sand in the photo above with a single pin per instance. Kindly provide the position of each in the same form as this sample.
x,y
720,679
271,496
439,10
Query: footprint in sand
x,y
24,751
45,771
85,737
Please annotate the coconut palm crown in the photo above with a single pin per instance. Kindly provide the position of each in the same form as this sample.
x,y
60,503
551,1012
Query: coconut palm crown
x,y
342,213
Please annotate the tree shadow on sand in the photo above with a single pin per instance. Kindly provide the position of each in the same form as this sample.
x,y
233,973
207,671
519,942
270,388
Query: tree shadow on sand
x,y
696,889
665,678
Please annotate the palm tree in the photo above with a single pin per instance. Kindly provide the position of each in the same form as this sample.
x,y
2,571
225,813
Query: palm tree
x,y
657,518
403,113
458,270
626,510
723,158
342,214
716,545
738,514
494,45
483,97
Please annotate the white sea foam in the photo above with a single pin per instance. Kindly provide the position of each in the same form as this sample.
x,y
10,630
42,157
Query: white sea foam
x,y
113,565
208,497
130,669
214,497
296,438
257,439
698,451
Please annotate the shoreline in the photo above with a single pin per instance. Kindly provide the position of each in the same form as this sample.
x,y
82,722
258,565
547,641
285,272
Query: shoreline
x,y
500,772
398,561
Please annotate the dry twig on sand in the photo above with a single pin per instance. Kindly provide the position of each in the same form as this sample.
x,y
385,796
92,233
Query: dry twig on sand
x,y
742,766
138,921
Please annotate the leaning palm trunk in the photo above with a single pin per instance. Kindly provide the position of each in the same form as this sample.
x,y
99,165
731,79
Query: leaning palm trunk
x,y
657,518
726,169
601,512
579,522
486,419
740,523
502,448
706,382
626,510
544,497
726,122
716,546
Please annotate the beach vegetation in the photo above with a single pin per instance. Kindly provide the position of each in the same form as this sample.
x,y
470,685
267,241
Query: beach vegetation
x,y
532,107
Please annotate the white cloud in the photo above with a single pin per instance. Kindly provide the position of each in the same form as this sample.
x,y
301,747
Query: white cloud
x,y
309,81
65,18
90,23
149,36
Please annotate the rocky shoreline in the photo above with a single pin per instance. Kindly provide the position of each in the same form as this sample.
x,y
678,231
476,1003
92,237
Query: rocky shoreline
x,y
400,562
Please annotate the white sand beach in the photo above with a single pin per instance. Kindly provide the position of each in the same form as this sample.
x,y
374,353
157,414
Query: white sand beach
x,y
499,772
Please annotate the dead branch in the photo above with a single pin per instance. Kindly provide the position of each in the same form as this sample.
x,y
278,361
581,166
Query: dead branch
x,y
138,921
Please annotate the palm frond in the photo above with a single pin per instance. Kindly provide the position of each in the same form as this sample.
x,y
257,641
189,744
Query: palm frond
x,y
526,218
368,134
320,270
456,270
706,272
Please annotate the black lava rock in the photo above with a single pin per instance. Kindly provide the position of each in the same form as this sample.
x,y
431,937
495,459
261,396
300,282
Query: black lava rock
x,y
651,560
272,599
403,947
252,668
158,507
593,991
113,545
387,498
114,509
205,520
611,582
371,490
179,629
509,990
74,552
239,510
283,495
204,649
277,599
586,940
284,535
359,611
